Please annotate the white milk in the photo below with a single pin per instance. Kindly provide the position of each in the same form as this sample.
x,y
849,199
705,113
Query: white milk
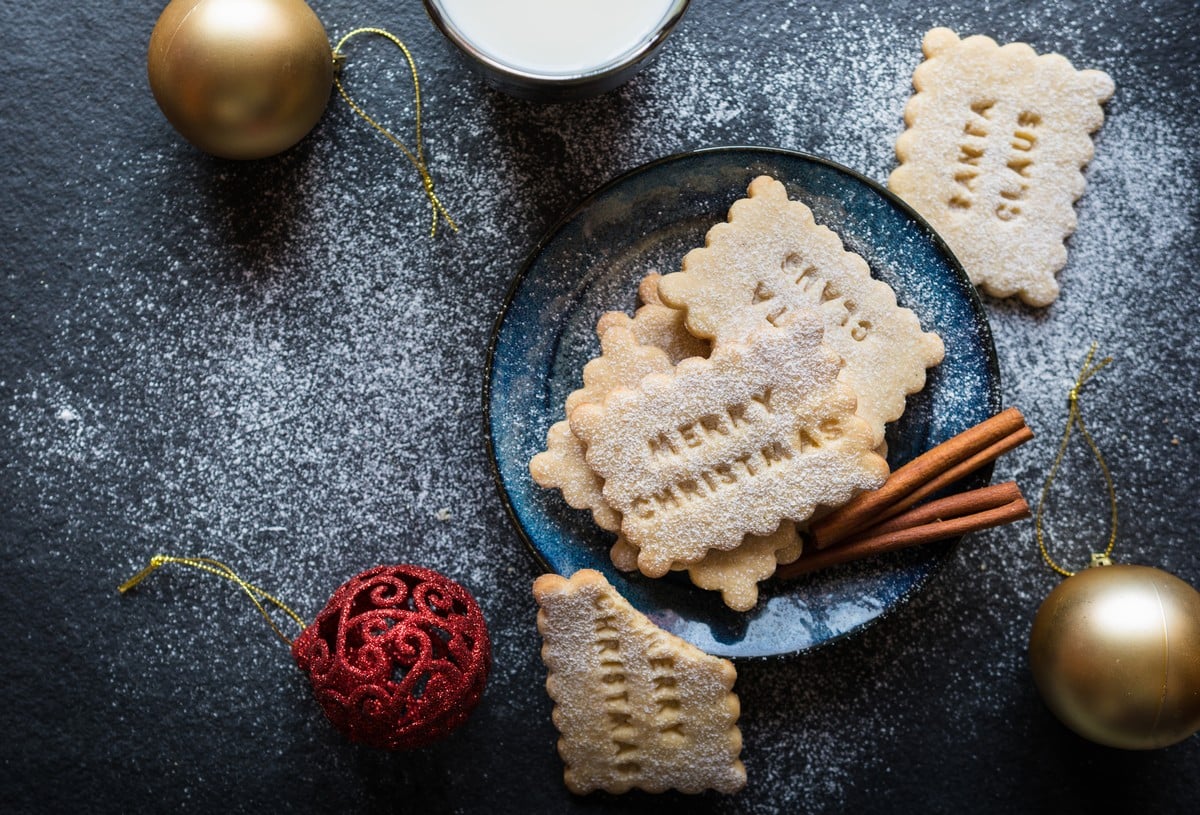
x,y
555,36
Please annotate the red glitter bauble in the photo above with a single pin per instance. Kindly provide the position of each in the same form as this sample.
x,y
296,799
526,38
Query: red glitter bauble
x,y
398,658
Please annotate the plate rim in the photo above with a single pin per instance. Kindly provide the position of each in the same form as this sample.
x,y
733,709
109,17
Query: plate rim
x,y
583,203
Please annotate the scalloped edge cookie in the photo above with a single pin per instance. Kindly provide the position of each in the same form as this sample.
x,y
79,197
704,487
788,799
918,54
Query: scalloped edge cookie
x,y
993,156
635,706
770,260
729,446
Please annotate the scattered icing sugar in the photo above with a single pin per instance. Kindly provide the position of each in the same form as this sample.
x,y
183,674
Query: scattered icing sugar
x,y
291,383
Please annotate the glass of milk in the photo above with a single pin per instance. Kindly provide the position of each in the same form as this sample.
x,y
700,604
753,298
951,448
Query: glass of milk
x,y
555,50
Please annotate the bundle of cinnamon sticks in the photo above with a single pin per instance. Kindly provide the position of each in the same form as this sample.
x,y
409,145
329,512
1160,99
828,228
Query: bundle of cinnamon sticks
x,y
892,517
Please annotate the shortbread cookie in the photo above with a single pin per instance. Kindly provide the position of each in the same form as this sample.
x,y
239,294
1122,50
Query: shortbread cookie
x,y
771,259
648,289
735,573
636,707
729,446
660,326
997,138
622,363
563,465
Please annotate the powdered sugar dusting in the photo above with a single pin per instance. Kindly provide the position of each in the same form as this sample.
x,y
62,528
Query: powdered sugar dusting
x,y
275,366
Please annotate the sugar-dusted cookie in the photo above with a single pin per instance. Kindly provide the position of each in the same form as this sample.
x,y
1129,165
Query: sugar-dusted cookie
x,y
648,289
735,573
562,465
622,363
660,326
636,707
729,446
997,138
771,259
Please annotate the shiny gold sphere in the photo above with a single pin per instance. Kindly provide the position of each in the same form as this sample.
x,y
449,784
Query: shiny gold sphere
x,y
1115,653
241,79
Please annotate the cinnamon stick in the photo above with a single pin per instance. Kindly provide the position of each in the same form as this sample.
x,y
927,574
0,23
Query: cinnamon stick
x,y
970,448
943,509
859,548
960,470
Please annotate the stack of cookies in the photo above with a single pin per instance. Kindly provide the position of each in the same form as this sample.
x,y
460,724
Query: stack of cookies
x,y
750,391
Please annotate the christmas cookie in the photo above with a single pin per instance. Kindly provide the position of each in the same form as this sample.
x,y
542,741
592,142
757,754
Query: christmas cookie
x,y
648,289
657,324
563,465
729,446
770,260
636,707
997,138
735,573
660,326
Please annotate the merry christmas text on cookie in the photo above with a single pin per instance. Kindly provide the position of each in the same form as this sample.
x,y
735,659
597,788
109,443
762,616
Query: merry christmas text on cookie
x,y
736,573
723,447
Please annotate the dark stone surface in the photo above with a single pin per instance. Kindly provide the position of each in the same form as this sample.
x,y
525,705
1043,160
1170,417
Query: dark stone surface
x,y
271,363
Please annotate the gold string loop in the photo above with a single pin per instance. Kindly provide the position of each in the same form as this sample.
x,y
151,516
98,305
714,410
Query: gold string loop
x,y
1075,419
257,595
417,158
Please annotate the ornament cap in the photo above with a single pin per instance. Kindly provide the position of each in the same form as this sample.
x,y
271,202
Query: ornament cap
x,y
1100,559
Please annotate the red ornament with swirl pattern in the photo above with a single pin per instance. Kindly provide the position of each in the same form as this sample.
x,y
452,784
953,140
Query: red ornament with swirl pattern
x,y
398,658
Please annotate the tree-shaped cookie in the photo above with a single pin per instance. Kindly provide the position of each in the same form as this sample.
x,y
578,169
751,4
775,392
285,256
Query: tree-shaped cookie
x,y
636,707
997,138
772,259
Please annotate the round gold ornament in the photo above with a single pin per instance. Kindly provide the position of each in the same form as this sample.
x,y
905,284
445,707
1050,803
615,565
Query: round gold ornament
x,y
1115,653
1115,650
241,79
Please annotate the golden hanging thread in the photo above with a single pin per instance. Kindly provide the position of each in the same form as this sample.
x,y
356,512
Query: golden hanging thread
x,y
417,158
1075,418
257,595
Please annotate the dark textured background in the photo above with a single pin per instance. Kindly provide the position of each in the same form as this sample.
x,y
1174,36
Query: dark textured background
x,y
272,364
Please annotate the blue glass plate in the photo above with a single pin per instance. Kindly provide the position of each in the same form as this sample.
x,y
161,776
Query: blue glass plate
x,y
591,263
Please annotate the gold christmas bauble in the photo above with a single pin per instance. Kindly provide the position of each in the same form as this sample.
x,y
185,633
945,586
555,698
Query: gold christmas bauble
x,y
1115,653
241,79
